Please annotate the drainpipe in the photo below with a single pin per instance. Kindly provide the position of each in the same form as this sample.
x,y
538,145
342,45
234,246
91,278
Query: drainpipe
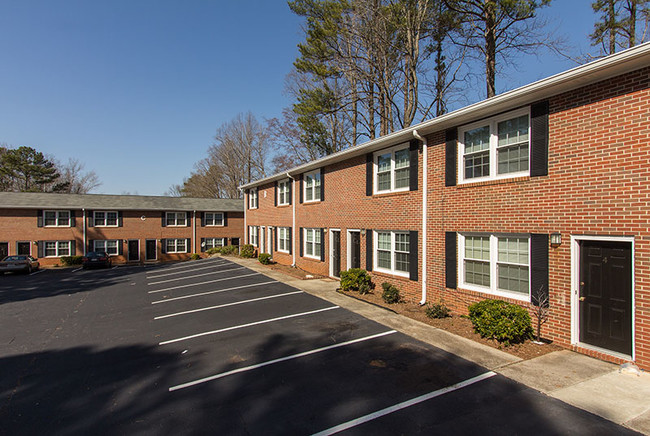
x,y
424,215
84,230
245,238
194,232
293,221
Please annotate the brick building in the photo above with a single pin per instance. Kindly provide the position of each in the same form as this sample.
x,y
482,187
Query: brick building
x,y
538,194
130,228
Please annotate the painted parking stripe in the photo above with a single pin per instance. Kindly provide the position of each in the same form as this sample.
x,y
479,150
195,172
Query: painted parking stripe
x,y
191,277
202,309
213,292
274,361
404,405
189,285
75,270
250,324
38,272
185,271
191,264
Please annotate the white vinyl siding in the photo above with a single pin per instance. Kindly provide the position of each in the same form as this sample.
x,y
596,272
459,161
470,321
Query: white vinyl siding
x,y
392,170
392,252
56,218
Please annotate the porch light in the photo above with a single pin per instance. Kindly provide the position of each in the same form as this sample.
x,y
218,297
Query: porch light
x,y
556,240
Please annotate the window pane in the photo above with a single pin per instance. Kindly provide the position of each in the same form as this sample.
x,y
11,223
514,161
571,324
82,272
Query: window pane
x,y
402,242
64,248
477,247
317,248
513,250
111,218
513,159
402,178
64,218
383,259
383,163
402,158
171,245
50,218
383,181
383,241
513,131
477,165
513,278
317,192
180,219
477,273
402,262
477,139
171,219
50,248
180,245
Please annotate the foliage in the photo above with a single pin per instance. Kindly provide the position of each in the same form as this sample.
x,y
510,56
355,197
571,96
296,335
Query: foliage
x,y
617,25
502,321
247,251
264,258
195,256
28,170
229,250
437,310
71,260
214,250
391,293
356,279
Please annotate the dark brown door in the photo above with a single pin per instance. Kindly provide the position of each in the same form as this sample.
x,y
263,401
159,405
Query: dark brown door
x,y
336,253
134,250
150,249
355,250
23,248
606,295
4,249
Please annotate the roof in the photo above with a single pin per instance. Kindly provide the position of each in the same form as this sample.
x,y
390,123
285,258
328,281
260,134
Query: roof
x,y
40,200
600,69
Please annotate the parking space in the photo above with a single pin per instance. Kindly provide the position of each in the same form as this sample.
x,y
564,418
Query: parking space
x,y
212,347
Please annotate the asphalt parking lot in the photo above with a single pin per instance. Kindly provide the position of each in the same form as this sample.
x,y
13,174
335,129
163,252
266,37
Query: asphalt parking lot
x,y
211,347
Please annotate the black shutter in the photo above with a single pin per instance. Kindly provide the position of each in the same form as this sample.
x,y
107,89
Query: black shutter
x,y
120,219
91,219
188,219
247,198
163,246
539,139
413,256
539,268
164,221
413,161
202,219
369,249
300,187
91,246
225,219
41,248
120,247
290,240
451,152
73,219
450,260
322,184
274,236
73,248
290,191
275,194
369,173
39,218
300,236
188,246
202,245
322,245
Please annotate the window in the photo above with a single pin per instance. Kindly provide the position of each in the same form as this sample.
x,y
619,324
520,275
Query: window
x,y
105,219
312,243
213,219
176,219
252,199
176,245
392,170
283,193
109,246
56,218
495,148
284,239
392,252
214,242
312,186
57,248
497,264
252,235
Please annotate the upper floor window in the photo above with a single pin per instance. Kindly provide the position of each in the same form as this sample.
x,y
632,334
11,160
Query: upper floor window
x,y
177,219
392,252
213,219
105,219
283,193
252,198
495,148
312,183
392,169
56,218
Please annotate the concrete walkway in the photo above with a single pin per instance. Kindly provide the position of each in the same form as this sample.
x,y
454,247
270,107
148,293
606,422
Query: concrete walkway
x,y
590,384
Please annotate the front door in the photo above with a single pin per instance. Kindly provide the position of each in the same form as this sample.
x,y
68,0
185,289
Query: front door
x,y
605,300
234,241
24,248
150,250
4,249
134,250
355,250
336,253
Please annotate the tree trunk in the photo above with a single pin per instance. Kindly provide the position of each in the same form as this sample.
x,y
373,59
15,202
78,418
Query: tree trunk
x,y
612,27
490,47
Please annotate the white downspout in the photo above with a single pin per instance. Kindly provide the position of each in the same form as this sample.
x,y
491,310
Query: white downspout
x,y
425,187
293,221
245,238
84,230
194,232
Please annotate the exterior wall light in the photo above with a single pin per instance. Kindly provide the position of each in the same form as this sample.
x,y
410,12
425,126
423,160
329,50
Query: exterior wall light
x,y
363,232
556,240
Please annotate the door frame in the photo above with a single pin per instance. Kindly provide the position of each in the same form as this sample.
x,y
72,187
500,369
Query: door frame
x,y
29,243
331,251
128,254
348,246
269,240
575,294
155,241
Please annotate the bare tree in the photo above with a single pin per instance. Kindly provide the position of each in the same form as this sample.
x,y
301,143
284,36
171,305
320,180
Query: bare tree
x,y
78,181
540,309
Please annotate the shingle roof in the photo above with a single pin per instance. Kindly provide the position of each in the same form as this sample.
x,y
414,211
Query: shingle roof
x,y
38,200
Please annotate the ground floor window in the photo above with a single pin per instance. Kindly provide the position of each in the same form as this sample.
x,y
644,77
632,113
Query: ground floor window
x,y
176,245
214,242
57,248
392,251
313,243
253,232
284,239
109,246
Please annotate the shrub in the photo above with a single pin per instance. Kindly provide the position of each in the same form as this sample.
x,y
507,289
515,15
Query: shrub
x,y
214,250
247,251
437,310
391,293
356,279
229,249
264,258
195,256
71,260
502,321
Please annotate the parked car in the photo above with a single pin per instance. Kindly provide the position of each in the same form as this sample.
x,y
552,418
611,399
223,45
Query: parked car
x,y
96,259
19,263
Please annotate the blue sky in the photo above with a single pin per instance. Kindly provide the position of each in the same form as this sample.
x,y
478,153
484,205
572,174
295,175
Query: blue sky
x,y
136,89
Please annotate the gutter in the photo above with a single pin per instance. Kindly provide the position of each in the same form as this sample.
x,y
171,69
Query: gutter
x,y
84,231
245,238
425,188
293,221
194,231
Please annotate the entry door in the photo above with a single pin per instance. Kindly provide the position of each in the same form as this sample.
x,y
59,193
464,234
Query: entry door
x,y
134,250
605,305
336,253
150,250
355,250
234,241
23,248
4,249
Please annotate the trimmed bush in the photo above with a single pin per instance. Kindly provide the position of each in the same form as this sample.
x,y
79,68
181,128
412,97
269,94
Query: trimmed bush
x,y
437,310
502,321
195,256
71,260
356,279
213,250
390,294
264,258
229,250
247,251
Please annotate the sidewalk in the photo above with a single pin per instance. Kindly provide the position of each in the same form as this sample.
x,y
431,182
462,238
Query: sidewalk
x,y
590,384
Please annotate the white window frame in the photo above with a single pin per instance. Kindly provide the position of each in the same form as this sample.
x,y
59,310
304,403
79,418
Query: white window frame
x,y
375,254
176,250
314,232
494,255
99,242
253,235
58,248
313,175
210,219
283,188
286,239
494,142
375,175
57,218
253,200
176,216
104,219
212,242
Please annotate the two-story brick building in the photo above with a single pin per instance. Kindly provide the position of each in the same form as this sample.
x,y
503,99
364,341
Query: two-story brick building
x,y
131,228
538,194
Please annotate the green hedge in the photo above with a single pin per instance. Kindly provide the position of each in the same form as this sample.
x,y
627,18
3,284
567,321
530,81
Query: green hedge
x,y
356,279
71,260
502,321
247,251
264,258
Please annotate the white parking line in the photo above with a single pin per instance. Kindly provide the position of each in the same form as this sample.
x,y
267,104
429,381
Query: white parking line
x,y
203,283
227,304
281,359
191,277
78,269
191,264
183,272
38,272
404,405
212,292
250,324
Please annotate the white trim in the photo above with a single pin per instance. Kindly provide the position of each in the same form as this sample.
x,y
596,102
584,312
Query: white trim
x,y
29,243
57,218
213,219
253,198
315,231
575,294
176,250
375,254
331,252
391,151
279,238
106,212
58,254
287,183
175,219
316,175
128,251
349,247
